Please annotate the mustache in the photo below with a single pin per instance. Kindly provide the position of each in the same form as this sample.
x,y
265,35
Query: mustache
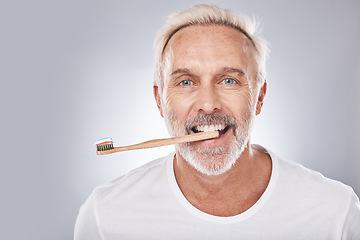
x,y
210,119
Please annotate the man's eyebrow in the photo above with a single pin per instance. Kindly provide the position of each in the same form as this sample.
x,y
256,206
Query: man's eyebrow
x,y
181,70
233,70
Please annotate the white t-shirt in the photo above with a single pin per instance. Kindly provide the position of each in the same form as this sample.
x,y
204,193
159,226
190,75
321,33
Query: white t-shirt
x,y
147,203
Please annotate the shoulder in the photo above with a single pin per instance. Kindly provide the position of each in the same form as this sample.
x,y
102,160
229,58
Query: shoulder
x,y
306,187
133,182
332,200
121,195
303,177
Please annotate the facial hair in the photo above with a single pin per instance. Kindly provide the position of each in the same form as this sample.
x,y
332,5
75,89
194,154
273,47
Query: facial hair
x,y
211,160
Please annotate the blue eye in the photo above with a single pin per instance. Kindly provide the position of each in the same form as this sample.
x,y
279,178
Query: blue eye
x,y
229,81
185,82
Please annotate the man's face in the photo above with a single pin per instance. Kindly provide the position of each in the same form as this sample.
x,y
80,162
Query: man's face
x,y
209,84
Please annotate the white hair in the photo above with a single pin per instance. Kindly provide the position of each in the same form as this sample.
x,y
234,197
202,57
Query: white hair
x,y
204,15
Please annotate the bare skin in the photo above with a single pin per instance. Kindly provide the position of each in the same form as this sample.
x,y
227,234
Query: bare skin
x,y
212,69
230,193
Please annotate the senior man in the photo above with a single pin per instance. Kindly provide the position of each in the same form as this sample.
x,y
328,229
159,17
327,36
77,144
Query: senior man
x,y
210,75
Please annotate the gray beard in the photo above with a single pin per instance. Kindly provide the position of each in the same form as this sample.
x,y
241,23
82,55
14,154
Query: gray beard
x,y
212,161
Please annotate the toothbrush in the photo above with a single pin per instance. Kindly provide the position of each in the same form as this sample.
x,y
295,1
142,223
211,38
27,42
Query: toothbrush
x,y
105,145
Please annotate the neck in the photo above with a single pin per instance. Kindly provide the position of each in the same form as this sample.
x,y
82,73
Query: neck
x,y
229,193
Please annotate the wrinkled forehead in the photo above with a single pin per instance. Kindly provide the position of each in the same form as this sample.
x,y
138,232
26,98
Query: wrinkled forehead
x,y
218,40
210,24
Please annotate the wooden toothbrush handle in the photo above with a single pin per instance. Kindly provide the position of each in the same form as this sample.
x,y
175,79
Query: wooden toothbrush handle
x,y
163,142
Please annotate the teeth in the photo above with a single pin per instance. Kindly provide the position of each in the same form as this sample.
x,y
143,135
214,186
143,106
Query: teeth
x,y
209,128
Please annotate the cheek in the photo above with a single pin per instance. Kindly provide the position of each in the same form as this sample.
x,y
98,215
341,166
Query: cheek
x,y
237,101
178,103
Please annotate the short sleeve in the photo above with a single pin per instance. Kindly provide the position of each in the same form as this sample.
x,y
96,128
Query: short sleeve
x,y
351,229
86,226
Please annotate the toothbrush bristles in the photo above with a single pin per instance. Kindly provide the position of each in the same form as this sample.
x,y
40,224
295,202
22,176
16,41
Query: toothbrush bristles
x,y
104,147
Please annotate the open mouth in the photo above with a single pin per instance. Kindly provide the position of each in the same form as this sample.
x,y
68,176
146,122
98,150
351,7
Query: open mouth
x,y
208,128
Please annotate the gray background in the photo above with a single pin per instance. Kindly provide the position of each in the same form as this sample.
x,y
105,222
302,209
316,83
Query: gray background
x,y
76,71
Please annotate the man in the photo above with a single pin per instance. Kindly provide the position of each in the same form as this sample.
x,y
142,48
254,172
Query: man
x,y
210,75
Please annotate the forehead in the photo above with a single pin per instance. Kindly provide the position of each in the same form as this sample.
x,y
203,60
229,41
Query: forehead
x,y
208,41
220,29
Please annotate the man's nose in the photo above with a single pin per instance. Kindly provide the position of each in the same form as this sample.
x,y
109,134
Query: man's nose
x,y
207,99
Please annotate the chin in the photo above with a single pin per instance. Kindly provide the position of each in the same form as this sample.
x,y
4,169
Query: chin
x,y
214,161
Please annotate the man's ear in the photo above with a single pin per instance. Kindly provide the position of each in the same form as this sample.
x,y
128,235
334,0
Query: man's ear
x,y
157,99
261,97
